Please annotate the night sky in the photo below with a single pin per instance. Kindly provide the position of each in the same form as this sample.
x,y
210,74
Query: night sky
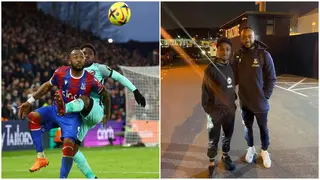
x,y
143,14
215,14
144,22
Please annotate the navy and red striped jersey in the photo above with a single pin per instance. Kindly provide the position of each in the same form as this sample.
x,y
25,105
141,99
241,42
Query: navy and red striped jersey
x,y
74,87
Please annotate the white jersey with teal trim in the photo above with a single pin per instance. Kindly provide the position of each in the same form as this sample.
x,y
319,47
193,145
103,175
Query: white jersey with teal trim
x,y
99,71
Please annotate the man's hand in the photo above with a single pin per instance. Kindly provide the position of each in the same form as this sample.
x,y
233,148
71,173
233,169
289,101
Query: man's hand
x,y
24,109
139,98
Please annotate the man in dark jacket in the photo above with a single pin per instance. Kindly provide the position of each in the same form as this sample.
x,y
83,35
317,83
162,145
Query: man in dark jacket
x,y
255,74
218,101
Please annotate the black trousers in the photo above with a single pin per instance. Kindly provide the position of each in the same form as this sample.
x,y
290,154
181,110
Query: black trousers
x,y
220,118
262,120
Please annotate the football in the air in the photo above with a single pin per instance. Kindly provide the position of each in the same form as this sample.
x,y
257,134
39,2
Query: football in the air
x,y
119,14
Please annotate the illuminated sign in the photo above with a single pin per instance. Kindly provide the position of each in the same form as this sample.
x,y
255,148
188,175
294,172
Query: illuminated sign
x,y
185,42
233,32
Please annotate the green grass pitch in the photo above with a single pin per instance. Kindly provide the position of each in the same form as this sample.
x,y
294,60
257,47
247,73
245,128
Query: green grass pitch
x,y
106,162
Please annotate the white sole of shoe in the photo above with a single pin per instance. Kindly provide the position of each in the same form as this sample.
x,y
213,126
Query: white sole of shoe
x,y
247,160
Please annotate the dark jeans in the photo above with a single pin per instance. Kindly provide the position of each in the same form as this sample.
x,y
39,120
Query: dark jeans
x,y
224,118
262,120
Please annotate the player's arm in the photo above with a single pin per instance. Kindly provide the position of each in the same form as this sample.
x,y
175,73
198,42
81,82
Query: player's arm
x,y
46,87
43,90
207,96
107,104
269,77
25,107
101,90
108,72
234,65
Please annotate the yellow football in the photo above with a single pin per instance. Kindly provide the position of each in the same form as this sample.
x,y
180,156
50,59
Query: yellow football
x,y
119,14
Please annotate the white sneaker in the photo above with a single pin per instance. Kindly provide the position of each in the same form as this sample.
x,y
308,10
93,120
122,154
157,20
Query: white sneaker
x,y
251,151
266,159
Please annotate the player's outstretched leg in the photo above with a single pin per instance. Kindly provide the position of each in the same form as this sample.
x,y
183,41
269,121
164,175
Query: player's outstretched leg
x,y
67,159
77,105
82,164
34,121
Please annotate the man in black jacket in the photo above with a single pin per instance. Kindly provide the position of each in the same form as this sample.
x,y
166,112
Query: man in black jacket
x,y
218,101
255,74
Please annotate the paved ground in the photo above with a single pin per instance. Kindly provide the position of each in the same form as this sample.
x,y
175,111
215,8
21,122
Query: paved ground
x,y
293,127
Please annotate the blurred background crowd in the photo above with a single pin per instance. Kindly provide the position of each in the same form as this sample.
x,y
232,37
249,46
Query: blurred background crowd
x,y
35,44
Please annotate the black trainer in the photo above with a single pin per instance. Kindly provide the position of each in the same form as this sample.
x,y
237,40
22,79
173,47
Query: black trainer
x,y
212,171
228,163
96,177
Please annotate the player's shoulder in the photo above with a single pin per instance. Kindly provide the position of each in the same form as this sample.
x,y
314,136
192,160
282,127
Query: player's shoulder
x,y
210,67
237,52
104,66
94,65
90,76
101,65
63,69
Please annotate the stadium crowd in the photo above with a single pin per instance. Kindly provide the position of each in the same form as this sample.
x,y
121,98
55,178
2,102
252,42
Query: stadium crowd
x,y
35,44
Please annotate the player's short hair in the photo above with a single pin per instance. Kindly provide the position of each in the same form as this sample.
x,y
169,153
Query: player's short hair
x,y
223,40
90,46
75,49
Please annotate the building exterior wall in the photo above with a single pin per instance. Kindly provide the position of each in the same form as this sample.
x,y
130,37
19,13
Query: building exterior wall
x,y
308,24
277,41
281,25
